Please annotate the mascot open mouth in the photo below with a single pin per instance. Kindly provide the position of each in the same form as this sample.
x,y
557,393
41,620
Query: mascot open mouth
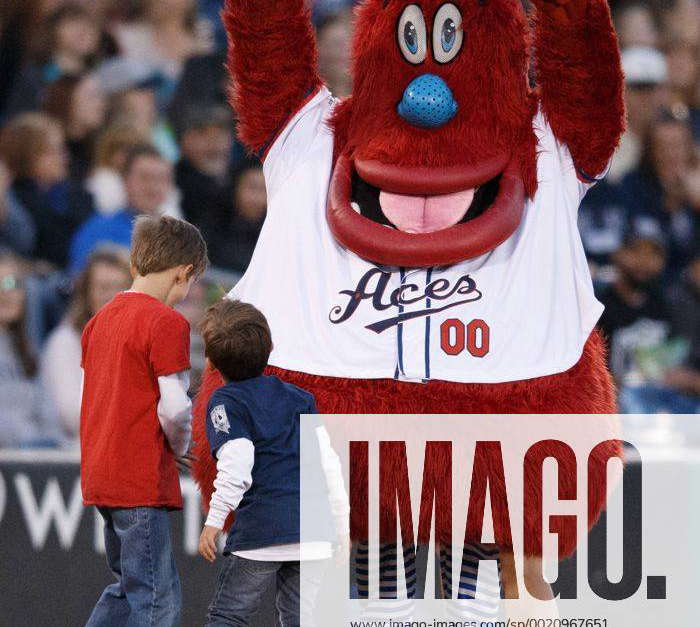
x,y
420,216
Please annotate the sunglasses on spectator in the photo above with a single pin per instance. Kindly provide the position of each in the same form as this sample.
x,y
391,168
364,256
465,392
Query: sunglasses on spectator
x,y
10,282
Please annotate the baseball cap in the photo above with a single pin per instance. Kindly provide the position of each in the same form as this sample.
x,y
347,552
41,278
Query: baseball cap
x,y
123,74
646,229
644,66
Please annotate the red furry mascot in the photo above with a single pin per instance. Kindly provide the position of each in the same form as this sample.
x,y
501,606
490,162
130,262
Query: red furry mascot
x,y
420,253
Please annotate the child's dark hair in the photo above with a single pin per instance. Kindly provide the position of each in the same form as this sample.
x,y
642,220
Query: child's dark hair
x,y
159,244
237,339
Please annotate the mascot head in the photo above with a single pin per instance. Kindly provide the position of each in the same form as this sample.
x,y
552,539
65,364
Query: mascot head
x,y
435,149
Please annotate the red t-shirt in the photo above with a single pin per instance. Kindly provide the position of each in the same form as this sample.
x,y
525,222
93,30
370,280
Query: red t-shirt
x,y
125,457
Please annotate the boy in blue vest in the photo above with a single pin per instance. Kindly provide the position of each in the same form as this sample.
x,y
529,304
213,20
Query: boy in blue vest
x,y
253,429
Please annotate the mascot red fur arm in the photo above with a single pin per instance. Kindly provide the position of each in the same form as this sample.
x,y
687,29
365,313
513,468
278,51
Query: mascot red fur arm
x,y
420,253
273,64
580,79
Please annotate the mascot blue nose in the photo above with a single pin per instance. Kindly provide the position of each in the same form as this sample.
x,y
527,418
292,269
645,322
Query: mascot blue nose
x,y
428,102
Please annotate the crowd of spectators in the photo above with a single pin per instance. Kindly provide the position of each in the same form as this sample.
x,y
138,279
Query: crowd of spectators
x,y
641,225
110,110
114,109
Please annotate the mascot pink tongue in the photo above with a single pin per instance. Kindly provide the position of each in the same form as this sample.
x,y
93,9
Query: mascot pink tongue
x,y
425,214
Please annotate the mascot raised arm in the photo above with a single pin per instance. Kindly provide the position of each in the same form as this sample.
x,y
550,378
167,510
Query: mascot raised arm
x,y
421,252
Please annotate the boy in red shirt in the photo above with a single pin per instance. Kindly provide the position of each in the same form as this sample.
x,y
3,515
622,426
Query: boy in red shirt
x,y
136,421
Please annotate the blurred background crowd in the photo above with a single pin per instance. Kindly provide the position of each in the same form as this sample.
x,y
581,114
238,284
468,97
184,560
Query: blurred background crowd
x,y
114,109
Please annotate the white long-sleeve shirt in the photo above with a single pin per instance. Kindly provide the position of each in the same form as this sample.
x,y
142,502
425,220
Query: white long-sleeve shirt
x,y
234,466
234,477
174,409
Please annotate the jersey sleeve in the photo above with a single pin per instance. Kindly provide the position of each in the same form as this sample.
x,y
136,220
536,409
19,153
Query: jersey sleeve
x,y
586,181
288,149
170,345
227,420
560,163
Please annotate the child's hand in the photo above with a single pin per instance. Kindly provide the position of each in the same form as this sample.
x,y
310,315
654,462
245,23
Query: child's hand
x,y
184,463
207,543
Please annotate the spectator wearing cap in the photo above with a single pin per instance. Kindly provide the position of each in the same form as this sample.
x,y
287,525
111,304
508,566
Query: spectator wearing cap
x,y
661,194
32,146
148,180
203,174
69,45
646,75
604,216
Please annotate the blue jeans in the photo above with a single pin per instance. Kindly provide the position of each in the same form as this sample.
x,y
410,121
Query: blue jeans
x,y
139,553
243,583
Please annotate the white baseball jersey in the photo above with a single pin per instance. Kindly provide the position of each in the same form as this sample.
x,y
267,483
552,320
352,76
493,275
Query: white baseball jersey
x,y
523,310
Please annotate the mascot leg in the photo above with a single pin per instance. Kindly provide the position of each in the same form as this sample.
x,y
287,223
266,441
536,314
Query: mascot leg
x,y
465,604
394,584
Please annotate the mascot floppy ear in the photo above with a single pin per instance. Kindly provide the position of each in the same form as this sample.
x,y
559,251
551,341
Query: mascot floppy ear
x,y
579,78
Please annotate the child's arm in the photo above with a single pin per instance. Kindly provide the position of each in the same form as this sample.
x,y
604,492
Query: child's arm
x,y
580,79
175,411
233,479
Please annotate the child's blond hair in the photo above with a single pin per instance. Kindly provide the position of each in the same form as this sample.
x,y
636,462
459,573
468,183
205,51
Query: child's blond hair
x,y
159,244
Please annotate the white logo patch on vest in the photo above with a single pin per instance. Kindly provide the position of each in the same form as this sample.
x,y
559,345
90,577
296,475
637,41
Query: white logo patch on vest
x,y
220,419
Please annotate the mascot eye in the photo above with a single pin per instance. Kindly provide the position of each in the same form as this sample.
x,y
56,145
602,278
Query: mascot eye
x,y
447,33
412,35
